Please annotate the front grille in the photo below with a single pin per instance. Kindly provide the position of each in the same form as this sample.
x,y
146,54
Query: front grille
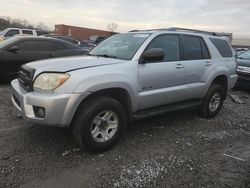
x,y
25,77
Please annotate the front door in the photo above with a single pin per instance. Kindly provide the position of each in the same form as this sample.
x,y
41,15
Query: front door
x,y
163,82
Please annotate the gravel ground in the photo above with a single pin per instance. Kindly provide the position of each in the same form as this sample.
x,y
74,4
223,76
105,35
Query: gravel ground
x,y
177,149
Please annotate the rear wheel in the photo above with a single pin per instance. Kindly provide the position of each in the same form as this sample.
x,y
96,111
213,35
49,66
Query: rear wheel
x,y
212,102
99,123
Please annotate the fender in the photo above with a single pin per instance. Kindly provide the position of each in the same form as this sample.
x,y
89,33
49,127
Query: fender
x,y
107,81
218,71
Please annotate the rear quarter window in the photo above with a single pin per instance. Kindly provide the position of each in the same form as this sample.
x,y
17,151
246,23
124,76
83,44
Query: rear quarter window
x,y
222,46
27,32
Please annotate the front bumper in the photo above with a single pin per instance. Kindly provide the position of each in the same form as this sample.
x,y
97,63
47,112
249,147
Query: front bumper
x,y
243,80
59,108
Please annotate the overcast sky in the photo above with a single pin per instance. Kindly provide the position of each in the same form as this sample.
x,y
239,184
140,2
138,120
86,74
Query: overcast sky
x,y
214,15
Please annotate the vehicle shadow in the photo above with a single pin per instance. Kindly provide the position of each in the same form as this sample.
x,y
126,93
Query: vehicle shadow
x,y
5,81
50,140
241,89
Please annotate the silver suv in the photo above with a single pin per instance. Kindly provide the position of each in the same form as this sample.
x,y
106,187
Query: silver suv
x,y
126,77
10,32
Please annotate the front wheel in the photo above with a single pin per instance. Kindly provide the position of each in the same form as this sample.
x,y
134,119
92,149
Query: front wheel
x,y
99,123
212,102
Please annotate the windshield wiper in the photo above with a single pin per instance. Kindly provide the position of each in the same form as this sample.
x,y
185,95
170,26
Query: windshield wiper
x,y
103,55
107,56
90,54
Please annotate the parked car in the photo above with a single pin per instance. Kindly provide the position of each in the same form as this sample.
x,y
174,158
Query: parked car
x,y
93,41
96,39
243,70
126,77
87,45
240,51
17,51
10,32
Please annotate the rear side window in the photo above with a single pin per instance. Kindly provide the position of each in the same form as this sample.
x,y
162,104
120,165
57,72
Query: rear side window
x,y
39,46
222,46
195,48
73,41
170,44
27,32
59,46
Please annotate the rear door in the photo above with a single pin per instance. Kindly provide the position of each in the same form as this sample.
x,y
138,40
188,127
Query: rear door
x,y
163,82
198,64
62,49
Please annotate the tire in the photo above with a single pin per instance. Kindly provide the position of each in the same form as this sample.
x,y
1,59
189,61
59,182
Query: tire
x,y
92,123
216,94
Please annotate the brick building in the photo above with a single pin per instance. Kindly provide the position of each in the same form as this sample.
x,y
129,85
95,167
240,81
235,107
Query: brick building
x,y
80,33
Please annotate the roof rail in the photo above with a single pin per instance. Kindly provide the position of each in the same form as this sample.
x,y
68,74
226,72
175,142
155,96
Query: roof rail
x,y
201,31
191,30
135,30
220,34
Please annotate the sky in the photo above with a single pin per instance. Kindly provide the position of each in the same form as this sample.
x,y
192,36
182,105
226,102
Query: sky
x,y
213,15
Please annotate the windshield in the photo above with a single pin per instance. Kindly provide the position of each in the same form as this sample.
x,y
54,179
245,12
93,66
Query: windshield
x,y
121,46
7,42
245,55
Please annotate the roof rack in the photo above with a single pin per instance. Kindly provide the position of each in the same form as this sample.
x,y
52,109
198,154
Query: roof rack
x,y
191,30
220,34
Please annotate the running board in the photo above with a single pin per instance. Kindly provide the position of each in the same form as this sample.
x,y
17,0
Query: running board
x,y
166,108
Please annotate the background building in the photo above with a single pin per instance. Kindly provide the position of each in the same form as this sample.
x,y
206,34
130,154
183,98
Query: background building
x,y
80,33
241,43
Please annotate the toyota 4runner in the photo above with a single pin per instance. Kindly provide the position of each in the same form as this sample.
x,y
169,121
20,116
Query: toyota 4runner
x,y
126,77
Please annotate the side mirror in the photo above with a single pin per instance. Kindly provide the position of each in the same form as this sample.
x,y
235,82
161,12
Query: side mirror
x,y
13,49
152,55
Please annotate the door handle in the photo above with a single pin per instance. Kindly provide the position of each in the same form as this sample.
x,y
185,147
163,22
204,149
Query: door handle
x,y
208,63
180,66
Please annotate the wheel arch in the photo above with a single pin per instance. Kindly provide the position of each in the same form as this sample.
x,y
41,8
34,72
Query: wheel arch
x,y
222,80
118,93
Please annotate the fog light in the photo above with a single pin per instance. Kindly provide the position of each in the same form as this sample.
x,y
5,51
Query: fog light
x,y
39,111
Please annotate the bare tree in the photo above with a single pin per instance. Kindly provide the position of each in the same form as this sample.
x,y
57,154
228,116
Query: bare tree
x,y
42,26
112,27
6,22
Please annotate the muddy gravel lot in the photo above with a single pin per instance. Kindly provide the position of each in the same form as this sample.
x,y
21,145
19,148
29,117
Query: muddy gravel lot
x,y
177,149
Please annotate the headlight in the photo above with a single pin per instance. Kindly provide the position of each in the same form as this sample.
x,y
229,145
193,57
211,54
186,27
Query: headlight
x,y
50,81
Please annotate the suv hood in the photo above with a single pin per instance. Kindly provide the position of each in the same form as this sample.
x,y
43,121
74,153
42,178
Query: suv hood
x,y
67,64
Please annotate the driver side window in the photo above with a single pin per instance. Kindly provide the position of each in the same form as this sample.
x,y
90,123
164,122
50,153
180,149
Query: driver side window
x,y
170,44
12,33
